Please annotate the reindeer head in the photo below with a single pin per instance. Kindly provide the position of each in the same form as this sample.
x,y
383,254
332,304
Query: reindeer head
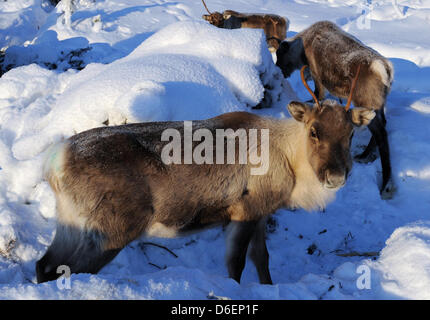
x,y
290,56
329,130
215,18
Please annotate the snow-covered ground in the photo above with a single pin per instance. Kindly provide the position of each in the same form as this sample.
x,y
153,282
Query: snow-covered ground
x,y
112,62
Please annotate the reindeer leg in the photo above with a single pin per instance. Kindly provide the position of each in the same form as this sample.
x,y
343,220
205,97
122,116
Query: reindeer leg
x,y
319,91
239,235
369,154
259,254
377,127
80,250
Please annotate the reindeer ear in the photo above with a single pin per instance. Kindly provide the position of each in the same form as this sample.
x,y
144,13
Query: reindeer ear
x,y
298,110
362,116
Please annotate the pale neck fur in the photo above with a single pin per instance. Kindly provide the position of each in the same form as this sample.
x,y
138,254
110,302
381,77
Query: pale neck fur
x,y
308,192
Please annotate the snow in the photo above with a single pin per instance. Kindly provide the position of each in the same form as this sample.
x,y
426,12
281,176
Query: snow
x,y
404,264
69,69
21,20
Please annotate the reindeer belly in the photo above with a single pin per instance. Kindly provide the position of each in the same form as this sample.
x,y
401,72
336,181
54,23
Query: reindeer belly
x,y
193,198
203,219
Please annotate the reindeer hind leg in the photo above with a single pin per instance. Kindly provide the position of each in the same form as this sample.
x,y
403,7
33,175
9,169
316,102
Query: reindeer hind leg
x,y
259,254
239,235
81,250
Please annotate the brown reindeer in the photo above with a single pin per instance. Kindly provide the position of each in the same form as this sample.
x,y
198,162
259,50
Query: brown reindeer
x,y
112,185
333,56
274,26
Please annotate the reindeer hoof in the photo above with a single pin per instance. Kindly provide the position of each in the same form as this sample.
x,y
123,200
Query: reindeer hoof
x,y
365,158
388,191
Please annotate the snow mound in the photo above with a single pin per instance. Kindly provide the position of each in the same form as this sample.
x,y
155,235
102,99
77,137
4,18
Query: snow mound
x,y
186,78
405,262
422,105
241,62
20,20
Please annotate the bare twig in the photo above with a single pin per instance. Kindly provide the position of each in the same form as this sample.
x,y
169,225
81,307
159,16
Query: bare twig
x,y
153,264
358,254
160,246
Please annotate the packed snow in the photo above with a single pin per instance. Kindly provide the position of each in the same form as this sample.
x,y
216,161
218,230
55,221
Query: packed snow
x,y
90,63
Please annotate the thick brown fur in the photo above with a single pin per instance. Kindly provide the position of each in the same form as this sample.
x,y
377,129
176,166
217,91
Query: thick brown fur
x,y
111,185
333,57
274,26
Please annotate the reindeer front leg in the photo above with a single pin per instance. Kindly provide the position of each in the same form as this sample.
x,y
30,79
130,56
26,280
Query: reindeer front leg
x,y
319,90
259,254
239,234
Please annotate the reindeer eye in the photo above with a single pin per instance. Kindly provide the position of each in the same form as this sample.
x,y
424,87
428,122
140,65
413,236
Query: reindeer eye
x,y
314,133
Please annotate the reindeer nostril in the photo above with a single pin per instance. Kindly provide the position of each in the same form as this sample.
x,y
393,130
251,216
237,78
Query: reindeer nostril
x,y
335,180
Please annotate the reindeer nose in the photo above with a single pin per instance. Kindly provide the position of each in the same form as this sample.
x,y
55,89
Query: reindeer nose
x,y
334,180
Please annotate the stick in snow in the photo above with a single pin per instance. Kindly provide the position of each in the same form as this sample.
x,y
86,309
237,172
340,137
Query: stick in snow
x,y
160,246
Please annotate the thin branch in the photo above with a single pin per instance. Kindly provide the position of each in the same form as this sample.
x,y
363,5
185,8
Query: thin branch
x,y
358,254
160,246
153,264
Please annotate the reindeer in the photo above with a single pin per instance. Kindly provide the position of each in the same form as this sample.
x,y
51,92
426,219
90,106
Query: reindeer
x,y
112,186
333,56
274,26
